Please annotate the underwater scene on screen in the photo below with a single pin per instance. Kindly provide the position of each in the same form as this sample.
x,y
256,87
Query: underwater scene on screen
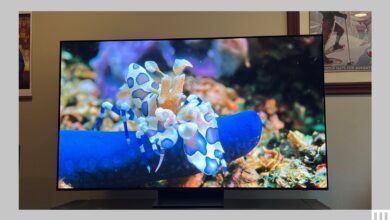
x,y
229,112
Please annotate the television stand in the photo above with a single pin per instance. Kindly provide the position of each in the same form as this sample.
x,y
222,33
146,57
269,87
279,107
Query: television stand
x,y
229,204
177,198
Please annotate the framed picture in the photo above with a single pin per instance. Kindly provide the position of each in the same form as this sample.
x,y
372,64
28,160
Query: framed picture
x,y
349,69
346,37
25,82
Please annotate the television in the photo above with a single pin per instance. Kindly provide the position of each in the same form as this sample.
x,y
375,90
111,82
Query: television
x,y
200,113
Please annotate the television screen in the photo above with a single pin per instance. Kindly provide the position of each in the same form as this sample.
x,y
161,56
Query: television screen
x,y
244,112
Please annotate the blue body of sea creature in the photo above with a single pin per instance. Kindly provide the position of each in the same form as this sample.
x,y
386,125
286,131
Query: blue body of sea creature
x,y
99,159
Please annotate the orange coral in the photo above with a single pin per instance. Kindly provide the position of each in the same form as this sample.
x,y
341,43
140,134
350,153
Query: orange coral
x,y
271,159
296,139
244,177
270,106
195,180
224,100
81,71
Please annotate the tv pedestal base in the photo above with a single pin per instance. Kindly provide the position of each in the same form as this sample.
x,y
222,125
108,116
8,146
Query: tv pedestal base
x,y
190,198
228,204
188,204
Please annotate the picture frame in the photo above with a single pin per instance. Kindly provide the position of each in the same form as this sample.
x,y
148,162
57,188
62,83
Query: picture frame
x,y
336,83
346,37
25,50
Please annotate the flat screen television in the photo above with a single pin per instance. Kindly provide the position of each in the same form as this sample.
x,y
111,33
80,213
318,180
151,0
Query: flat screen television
x,y
223,112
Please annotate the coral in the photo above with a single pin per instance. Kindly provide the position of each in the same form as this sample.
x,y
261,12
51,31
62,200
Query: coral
x,y
294,173
243,177
195,180
270,106
320,177
225,100
297,140
270,159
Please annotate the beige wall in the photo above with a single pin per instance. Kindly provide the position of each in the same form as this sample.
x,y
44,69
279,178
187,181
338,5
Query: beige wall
x,y
348,117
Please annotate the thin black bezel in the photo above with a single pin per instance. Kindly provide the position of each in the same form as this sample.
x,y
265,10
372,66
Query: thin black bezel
x,y
194,188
